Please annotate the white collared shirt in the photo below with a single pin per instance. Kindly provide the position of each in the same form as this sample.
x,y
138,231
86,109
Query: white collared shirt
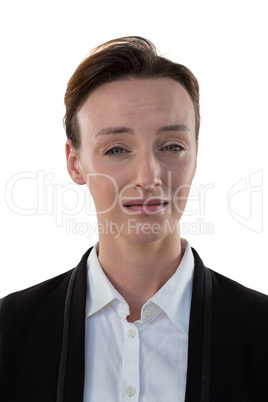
x,y
144,361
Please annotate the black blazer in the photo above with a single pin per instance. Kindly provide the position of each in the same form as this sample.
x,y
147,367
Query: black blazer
x,y
32,346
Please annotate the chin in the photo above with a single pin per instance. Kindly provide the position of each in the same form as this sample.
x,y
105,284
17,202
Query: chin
x,y
146,232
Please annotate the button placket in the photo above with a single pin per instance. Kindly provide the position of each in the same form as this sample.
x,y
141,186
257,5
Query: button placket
x,y
131,333
130,363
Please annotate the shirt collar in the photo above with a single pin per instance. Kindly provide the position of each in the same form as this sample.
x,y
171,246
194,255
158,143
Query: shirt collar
x,y
100,291
174,298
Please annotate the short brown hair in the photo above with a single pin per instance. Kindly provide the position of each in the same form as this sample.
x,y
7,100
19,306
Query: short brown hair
x,y
129,56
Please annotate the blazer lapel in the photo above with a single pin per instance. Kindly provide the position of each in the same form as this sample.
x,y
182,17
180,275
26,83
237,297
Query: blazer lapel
x,y
74,385
195,345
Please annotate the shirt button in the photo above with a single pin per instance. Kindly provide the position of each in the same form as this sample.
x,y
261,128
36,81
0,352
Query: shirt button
x,y
148,311
131,333
130,391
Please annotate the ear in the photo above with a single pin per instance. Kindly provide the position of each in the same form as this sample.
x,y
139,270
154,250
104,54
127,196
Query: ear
x,y
73,163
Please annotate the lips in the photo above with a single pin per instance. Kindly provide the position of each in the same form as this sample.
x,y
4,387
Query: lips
x,y
146,203
145,207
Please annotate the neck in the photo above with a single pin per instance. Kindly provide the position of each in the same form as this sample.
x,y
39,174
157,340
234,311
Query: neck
x,y
138,270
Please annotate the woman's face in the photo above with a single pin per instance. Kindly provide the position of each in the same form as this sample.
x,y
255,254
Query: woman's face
x,y
137,155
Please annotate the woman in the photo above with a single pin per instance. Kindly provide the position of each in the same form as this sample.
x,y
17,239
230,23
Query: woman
x,y
140,317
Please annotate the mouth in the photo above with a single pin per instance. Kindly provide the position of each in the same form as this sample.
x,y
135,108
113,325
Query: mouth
x,y
146,207
147,202
143,205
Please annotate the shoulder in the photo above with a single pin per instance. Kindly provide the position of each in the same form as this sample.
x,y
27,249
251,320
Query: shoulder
x,y
229,288
50,286
40,289
232,301
47,295
240,310
237,291
240,325
29,301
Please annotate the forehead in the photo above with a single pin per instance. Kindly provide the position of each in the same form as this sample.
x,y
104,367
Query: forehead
x,y
135,101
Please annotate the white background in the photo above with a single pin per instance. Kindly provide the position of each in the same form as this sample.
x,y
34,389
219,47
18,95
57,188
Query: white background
x,y
223,43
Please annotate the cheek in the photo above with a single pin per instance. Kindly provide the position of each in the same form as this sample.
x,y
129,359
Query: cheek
x,y
181,184
183,173
104,191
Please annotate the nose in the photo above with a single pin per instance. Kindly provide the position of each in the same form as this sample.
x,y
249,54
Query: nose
x,y
148,172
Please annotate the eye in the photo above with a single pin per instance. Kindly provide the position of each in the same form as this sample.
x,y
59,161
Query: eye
x,y
115,151
172,148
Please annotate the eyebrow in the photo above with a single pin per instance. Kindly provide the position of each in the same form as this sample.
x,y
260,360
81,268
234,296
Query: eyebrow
x,y
115,130
120,130
174,127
